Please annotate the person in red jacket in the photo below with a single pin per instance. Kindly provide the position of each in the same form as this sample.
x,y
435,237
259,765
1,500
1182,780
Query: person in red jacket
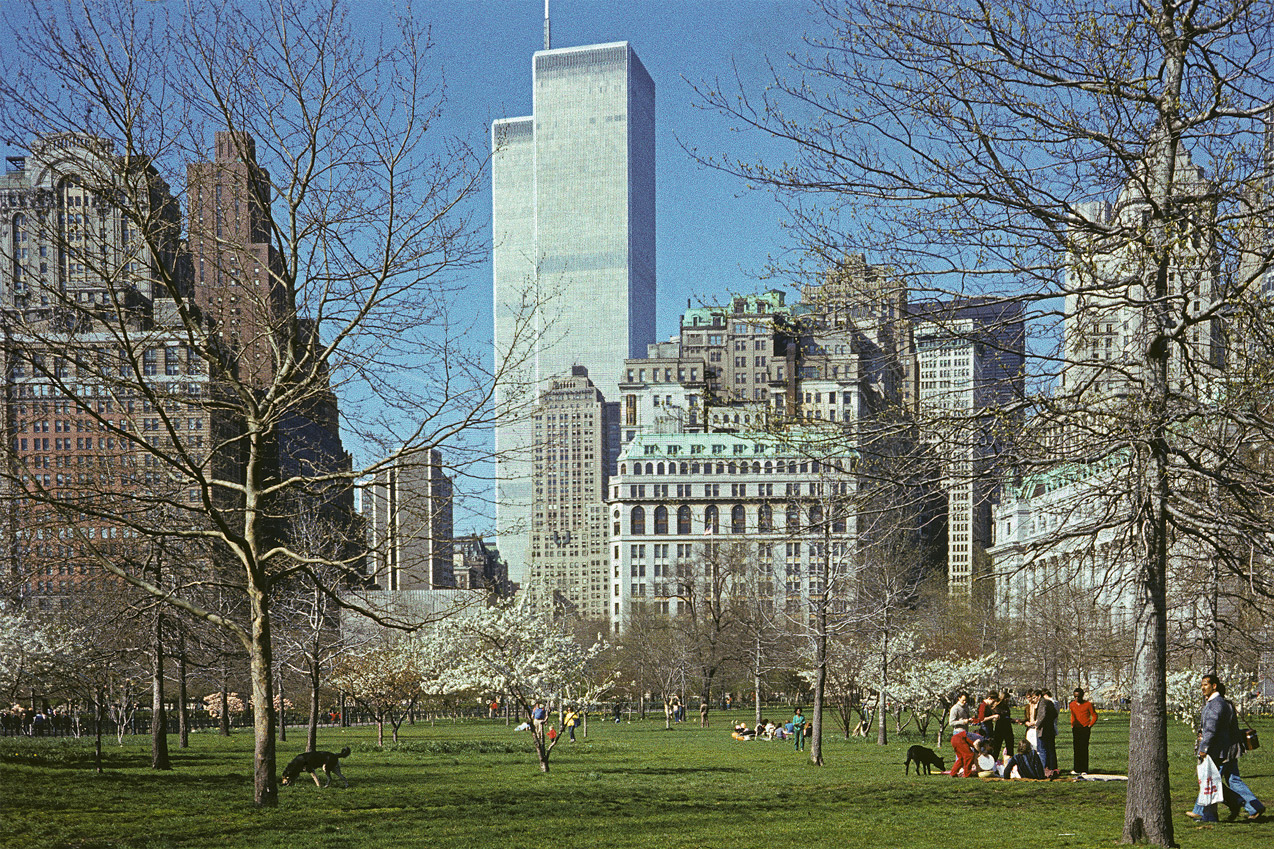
x,y
1083,718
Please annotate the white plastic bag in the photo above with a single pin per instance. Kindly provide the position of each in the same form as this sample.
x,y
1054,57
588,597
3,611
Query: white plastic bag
x,y
1209,782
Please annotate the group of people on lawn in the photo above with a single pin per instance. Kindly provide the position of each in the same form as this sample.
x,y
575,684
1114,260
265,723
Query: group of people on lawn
x,y
796,729
983,741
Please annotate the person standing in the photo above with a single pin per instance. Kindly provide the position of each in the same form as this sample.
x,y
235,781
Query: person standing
x,y
798,729
1002,732
1221,740
703,714
966,759
1083,718
1045,724
569,721
538,715
986,714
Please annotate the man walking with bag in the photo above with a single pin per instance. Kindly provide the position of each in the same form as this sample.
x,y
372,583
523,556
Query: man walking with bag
x,y
1221,740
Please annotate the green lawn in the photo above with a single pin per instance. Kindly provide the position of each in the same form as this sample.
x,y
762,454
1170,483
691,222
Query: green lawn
x,y
630,785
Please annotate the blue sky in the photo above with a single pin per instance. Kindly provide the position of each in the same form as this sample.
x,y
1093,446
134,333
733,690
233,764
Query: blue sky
x,y
714,236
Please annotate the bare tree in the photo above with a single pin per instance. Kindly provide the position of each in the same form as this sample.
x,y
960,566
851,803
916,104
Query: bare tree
x,y
711,610
322,226
964,143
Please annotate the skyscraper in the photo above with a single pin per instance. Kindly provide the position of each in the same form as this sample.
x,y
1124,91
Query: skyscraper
x,y
569,562
573,219
970,360
409,507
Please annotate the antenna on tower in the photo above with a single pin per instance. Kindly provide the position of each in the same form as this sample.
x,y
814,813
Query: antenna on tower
x,y
546,24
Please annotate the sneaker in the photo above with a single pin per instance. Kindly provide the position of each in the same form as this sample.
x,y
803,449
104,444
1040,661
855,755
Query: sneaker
x,y
1194,816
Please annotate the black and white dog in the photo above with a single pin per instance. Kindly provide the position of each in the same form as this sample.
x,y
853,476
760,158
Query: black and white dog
x,y
312,762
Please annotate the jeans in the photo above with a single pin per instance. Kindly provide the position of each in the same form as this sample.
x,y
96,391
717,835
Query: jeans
x,y
1236,794
1047,747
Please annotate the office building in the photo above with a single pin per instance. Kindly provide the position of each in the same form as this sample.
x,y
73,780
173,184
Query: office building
x,y
102,381
970,358
408,508
696,513
573,218
574,434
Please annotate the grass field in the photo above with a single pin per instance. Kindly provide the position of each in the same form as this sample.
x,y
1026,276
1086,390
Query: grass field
x,y
476,784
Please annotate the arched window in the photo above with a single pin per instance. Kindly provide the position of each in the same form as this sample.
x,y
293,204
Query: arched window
x,y
838,520
732,470
685,468
764,519
769,467
711,520
661,520
650,468
756,468
694,468
683,519
738,520
636,468
721,468
780,468
816,516
660,469
638,523
793,518
623,468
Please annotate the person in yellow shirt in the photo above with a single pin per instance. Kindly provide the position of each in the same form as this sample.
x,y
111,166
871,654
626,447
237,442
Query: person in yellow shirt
x,y
569,720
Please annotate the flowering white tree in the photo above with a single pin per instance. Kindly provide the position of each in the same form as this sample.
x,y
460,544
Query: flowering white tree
x,y
28,651
930,687
515,650
388,677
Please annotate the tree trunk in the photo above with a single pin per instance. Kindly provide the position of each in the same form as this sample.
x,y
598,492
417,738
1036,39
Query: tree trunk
x,y
756,681
265,790
183,710
820,683
98,721
225,706
282,712
158,715
882,727
311,737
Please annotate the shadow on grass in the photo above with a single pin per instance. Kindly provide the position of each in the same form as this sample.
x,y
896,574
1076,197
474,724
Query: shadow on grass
x,y
678,770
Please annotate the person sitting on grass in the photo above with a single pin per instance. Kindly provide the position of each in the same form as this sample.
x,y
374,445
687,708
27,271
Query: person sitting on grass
x,y
1025,764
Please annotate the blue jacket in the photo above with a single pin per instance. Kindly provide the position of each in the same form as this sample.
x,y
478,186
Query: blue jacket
x,y
1219,735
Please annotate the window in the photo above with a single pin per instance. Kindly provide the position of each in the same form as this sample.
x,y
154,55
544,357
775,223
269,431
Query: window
x,y
661,520
764,519
637,524
816,516
711,520
793,517
683,519
738,520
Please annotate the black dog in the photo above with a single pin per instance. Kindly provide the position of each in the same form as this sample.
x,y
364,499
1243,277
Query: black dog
x,y
922,756
312,762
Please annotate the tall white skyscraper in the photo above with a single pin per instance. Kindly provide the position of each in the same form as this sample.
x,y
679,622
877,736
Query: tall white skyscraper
x,y
573,219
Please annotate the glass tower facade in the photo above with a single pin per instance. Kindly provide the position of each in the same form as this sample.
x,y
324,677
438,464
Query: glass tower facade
x,y
573,219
